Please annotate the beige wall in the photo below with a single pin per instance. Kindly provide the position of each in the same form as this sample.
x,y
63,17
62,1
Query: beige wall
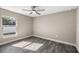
x,y
77,32
59,26
24,25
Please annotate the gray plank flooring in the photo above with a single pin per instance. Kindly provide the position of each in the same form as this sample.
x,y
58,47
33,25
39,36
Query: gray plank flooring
x,y
36,45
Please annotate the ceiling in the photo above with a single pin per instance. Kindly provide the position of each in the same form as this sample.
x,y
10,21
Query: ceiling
x,y
48,9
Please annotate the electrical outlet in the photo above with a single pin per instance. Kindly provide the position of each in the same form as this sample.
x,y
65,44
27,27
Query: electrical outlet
x,y
56,35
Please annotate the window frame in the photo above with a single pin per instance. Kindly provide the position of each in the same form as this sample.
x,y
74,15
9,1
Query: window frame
x,y
9,35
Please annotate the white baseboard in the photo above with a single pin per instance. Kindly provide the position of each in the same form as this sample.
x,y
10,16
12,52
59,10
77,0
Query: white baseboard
x,y
39,37
15,40
56,40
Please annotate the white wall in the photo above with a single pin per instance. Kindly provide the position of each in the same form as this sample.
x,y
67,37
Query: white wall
x,y
59,26
24,25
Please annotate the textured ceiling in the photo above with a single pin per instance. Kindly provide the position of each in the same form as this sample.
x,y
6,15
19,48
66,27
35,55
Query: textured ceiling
x,y
48,9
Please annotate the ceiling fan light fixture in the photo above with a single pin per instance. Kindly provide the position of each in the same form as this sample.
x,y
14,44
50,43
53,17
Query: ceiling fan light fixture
x,y
34,9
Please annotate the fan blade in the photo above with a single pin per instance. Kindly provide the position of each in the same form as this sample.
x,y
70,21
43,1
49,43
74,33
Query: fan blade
x,y
31,13
41,10
37,13
26,10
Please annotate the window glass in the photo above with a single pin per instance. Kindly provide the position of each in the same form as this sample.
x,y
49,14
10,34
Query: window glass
x,y
9,25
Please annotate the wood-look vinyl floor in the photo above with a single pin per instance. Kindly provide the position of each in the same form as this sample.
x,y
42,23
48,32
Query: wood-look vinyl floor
x,y
36,45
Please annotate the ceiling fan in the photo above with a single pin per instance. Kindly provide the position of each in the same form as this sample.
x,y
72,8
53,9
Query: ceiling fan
x,y
34,9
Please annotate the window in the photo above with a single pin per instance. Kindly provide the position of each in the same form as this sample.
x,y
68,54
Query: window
x,y
9,25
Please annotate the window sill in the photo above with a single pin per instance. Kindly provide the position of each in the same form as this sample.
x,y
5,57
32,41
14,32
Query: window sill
x,y
9,36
